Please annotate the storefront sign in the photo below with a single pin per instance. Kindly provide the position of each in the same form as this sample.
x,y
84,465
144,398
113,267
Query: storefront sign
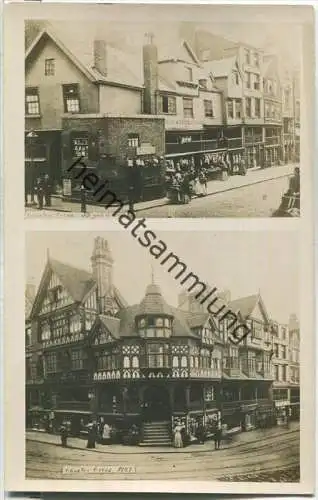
x,y
80,147
186,139
67,187
185,124
146,149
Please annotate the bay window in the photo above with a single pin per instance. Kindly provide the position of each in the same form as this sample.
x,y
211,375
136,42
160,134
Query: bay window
x,y
158,355
154,327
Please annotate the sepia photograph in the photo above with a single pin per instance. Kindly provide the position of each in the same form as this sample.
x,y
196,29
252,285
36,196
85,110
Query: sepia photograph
x,y
145,381
159,279
177,119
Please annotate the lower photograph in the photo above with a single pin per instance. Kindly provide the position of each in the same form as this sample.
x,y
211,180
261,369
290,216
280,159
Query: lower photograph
x,y
162,359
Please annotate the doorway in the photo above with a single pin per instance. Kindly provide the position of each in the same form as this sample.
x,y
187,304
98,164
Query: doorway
x,y
156,404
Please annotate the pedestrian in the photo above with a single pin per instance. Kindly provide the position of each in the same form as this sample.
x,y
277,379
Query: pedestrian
x,y
83,199
218,435
177,439
39,191
64,434
47,190
106,433
294,183
202,182
133,176
201,433
92,435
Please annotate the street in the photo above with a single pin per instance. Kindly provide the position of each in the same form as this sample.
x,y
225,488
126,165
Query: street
x,y
258,194
256,200
260,455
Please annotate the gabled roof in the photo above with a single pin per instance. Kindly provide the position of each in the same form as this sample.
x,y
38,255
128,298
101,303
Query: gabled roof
x,y
177,52
29,299
222,67
195,320
111,324
246,305
121,67
77,282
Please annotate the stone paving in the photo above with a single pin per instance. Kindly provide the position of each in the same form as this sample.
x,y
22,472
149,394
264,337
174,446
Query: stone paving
x,y
161,207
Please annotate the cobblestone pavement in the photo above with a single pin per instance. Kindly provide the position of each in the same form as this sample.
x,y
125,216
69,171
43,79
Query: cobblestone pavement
x,y
257,200
273,453
257,194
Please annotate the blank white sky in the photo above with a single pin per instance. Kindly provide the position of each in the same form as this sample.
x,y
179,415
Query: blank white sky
x,y
242,261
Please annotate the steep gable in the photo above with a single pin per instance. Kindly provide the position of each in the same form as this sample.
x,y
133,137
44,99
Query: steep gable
x,y
105,330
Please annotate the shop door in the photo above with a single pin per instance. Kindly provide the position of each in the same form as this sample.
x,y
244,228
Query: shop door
x,y
156,404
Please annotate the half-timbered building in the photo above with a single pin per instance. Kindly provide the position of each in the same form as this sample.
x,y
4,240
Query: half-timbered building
x,y
96,357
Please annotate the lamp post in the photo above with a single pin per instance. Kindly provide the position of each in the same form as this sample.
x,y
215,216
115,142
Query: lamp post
x,y
31,136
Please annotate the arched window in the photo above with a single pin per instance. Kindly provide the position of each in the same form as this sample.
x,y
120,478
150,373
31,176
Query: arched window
x,y
175,362
196,362
184,362
126,362
135,362
191,362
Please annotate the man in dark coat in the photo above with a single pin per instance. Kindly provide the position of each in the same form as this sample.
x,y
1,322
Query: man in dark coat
x,y
92,435
133,183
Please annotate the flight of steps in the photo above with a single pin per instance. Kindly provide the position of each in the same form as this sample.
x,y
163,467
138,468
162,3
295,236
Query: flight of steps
x,y
156,434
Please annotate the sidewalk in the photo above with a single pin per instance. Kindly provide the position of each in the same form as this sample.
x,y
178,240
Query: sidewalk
x,y
253,176
118,449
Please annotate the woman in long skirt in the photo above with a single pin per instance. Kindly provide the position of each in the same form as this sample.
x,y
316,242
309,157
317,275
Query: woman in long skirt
x,y
178,443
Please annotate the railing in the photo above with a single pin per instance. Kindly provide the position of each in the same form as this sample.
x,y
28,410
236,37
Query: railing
x,y
241,402
201,145
205,373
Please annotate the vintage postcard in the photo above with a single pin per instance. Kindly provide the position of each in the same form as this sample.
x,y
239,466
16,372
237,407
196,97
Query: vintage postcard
x,y
177,119
159,317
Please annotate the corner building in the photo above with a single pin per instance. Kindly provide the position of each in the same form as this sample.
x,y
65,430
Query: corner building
x,y
91,355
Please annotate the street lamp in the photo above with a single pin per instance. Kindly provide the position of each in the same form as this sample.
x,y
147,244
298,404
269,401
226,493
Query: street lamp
x,y
32,135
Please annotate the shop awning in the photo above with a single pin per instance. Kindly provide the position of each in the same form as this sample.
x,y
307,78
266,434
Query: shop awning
x,y
84,412
209,151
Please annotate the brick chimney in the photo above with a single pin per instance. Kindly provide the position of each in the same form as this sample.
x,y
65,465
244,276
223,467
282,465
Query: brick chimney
x,y
150,60
100,56
102,265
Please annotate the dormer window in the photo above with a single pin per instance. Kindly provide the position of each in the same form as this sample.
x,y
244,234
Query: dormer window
x,y
153,327
203,84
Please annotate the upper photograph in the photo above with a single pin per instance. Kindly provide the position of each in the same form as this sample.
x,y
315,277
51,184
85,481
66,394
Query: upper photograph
x,y
178,119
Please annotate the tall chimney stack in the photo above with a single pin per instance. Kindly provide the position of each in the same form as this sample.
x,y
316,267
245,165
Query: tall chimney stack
x,y
102,265
100,56
150,60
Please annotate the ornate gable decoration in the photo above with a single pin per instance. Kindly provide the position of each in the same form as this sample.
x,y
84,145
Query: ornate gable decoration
x,y
55,296
100,334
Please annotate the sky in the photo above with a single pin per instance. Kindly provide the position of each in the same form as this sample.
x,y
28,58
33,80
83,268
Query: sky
x,y
244,262
281,38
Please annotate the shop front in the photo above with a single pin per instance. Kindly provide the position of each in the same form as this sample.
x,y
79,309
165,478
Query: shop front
x,y
42,157
282,409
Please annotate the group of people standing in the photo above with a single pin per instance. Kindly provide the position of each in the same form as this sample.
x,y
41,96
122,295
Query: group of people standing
x,y
180,438
42,188
99,432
